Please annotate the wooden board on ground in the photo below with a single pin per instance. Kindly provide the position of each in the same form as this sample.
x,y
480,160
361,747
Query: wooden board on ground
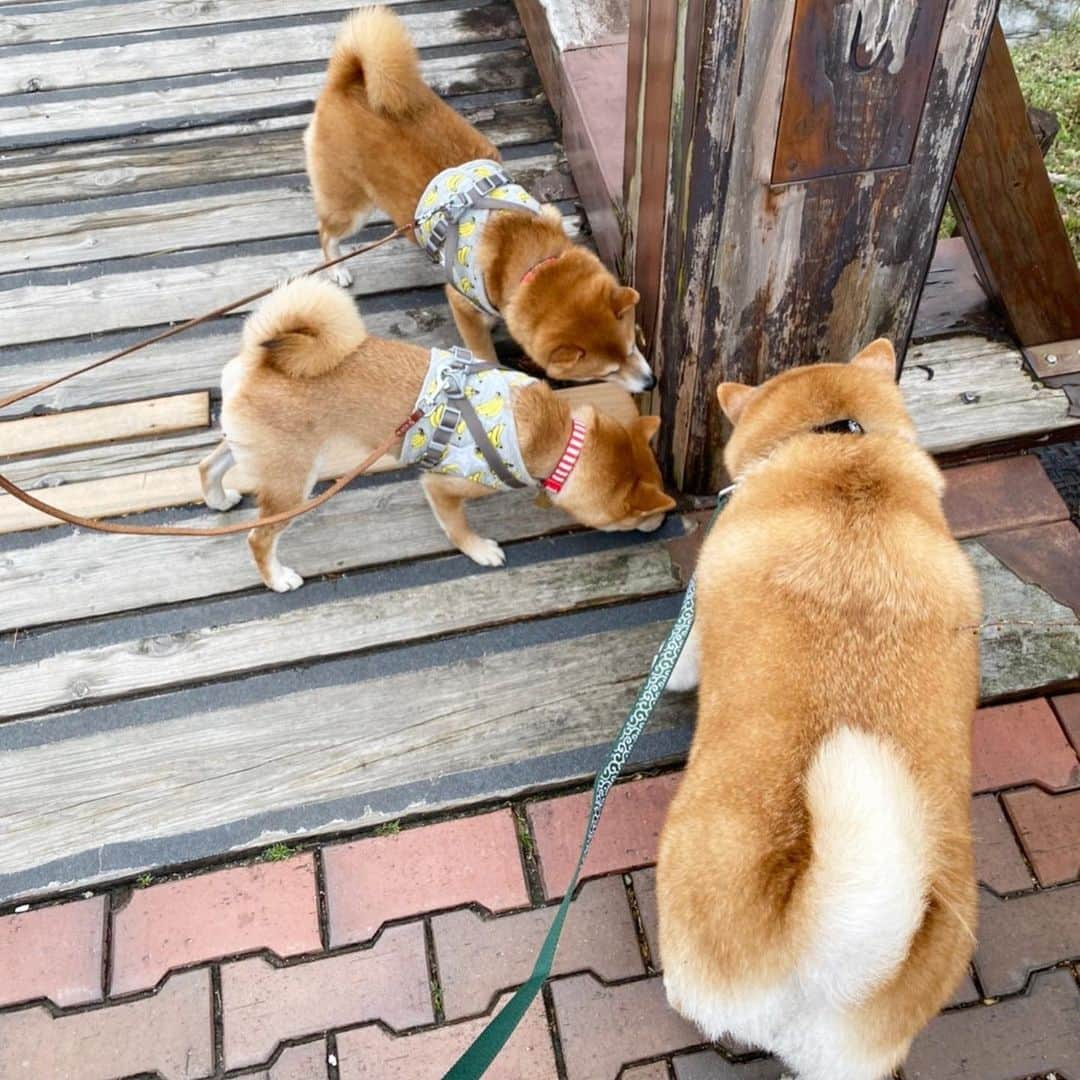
x,y
333,629
85,427
179,485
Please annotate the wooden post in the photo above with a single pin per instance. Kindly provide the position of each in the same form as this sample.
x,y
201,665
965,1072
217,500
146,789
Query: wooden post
x,y
809,151
1008,213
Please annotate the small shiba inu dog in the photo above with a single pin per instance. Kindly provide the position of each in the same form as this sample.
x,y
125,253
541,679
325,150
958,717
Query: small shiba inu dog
x,y
815,875
381,137
309,377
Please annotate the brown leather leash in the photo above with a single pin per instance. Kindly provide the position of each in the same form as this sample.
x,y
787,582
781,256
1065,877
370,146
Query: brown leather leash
x,y
25,497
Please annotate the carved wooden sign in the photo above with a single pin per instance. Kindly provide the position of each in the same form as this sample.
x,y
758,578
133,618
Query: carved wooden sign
x,y
856,85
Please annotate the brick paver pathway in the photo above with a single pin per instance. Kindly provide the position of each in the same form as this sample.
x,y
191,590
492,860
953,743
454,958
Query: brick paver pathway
x,y
381,956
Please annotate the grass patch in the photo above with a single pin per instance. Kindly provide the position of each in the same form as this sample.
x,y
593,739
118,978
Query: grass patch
x,y
1049,73
143,880
277,853
388,828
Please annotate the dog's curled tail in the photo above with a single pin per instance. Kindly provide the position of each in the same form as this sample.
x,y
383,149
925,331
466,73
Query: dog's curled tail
x,y
867,886
373,51
304,328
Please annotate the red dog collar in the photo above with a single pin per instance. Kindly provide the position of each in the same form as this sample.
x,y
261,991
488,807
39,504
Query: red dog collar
x,y
531,272
565,466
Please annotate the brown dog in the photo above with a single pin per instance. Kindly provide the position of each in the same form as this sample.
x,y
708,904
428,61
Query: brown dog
x,y
309,378
380,135
815,873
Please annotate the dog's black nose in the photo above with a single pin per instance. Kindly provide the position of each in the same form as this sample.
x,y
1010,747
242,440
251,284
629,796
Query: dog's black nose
x,y
650,381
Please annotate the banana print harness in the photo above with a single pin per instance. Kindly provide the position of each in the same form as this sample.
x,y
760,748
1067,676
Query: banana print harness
x,y
451,216
468,429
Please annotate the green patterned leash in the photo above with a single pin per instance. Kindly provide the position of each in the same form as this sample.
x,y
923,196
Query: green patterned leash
x,y
485,1047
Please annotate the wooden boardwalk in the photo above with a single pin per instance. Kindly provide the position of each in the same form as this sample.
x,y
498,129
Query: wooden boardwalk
x,y
157,704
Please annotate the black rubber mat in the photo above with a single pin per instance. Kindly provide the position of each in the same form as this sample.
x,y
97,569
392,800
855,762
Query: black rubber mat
x,y
1062,464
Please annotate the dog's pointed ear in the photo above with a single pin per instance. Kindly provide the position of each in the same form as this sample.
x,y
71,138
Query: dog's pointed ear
x,y
648,499
878,357
733,398
562,360
648,426
623,298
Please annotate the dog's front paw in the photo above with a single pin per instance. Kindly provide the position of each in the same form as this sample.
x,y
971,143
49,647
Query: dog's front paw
x,y
285,580
485,552
341,276
226,499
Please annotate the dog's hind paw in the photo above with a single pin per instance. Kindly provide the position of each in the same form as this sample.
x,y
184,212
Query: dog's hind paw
x,y
285,580
226,499
485,552
341,276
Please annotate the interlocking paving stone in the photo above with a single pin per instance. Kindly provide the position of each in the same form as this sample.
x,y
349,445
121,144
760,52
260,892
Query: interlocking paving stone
x,y
1036,1033
370,1053
998,862
268,905
54,953
603,1027
1049,828
1022,743
169,1033
1046,555
263,1005
1068,708
645,891
626,837
478,957
1004,494
304,1062
965,993
1023,934
709,1065
656,1070
469,860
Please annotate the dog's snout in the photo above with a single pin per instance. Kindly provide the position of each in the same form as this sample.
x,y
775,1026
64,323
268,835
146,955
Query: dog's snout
x,y
650,381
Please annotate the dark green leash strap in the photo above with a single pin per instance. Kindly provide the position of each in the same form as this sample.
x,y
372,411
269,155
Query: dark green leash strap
x,y
485,1047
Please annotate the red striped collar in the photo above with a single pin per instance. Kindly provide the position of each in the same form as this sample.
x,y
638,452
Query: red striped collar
x,y
565,465
531,272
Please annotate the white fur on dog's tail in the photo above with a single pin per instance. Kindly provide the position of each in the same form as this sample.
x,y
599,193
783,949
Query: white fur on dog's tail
x,y
373,51
867,886
304,328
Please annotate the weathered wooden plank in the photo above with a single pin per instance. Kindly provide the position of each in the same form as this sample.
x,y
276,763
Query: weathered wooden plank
x,y
205,770
152,57
758,277
1008,211
1028,641
244,150
979,392
161,487
138,419
333,629
952,301
81,575
205,220
50,118
55,308
61,21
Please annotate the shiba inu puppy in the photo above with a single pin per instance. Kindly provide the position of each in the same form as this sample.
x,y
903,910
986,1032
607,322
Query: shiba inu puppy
x,y
815,875
308,377
381,137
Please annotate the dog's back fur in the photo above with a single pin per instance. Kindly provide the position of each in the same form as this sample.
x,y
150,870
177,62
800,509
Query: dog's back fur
x,y
815,873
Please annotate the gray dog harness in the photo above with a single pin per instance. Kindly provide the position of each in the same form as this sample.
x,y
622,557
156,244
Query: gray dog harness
x,y
467,429
451,216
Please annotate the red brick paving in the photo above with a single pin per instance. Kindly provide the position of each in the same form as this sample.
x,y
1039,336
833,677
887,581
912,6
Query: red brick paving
x,y
54,953
603,1026
479,957
370,1053
1046,555
469,860
378,1001
1036,1033
626,837
1049,828
170,1032
1021,744
1022,935
271,906
1004,494
1068,708
997,855
263,1005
